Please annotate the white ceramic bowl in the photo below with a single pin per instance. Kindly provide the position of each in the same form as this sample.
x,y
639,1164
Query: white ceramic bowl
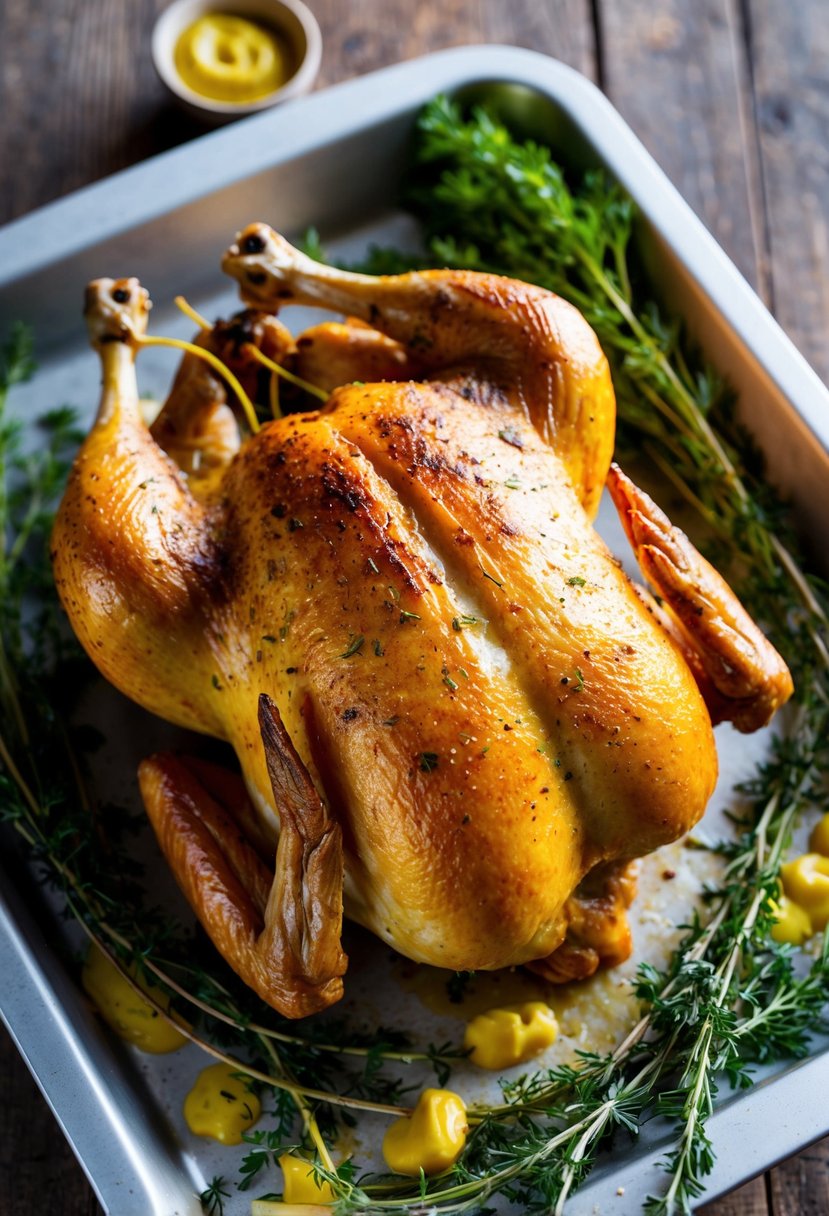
x,y
290,18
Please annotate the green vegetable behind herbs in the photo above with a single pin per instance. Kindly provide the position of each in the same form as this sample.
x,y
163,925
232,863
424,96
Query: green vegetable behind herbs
x,y
730,996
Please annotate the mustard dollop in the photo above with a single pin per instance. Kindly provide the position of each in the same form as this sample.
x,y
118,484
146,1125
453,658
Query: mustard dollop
x,y
803,906
228,58
791,922
120,1005
502,1038
806,882
221,1105
431,1138
299,1184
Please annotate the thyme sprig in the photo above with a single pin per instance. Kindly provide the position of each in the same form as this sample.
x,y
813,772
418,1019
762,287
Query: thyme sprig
x,y
213,1196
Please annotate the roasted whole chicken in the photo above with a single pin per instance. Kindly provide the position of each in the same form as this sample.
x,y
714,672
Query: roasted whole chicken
x,y
451,708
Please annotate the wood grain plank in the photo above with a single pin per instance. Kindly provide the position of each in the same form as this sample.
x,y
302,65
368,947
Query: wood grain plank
x,y
790,56
563,29
800,1186
360,36
79,96
748,1200
678,73
98,105
38,1171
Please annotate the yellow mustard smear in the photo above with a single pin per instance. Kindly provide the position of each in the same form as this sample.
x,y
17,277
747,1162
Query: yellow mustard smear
x,y
806,882
221,1105
227,58
502,1038
819,839
122,1008
481,991
299,1186
792,923
803,908
431,1138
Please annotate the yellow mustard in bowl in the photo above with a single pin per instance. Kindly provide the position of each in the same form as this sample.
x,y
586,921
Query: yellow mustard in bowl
x,y
228,58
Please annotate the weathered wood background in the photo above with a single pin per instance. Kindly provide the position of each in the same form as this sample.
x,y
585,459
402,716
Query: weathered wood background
x,y
730,96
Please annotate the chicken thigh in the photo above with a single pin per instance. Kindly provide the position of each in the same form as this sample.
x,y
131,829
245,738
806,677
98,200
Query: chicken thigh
x,y
450,705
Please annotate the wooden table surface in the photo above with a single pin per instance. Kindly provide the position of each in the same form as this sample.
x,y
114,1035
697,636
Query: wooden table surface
x,y
730,96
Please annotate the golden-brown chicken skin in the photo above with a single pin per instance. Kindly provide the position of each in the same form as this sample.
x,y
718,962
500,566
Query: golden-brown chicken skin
x,y
436,677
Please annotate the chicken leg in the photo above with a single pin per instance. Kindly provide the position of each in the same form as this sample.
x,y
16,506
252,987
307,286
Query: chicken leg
x,y
521,347
337,353
131,546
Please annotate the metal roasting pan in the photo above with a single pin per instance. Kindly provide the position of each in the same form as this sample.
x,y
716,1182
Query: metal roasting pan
x,y
334,160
